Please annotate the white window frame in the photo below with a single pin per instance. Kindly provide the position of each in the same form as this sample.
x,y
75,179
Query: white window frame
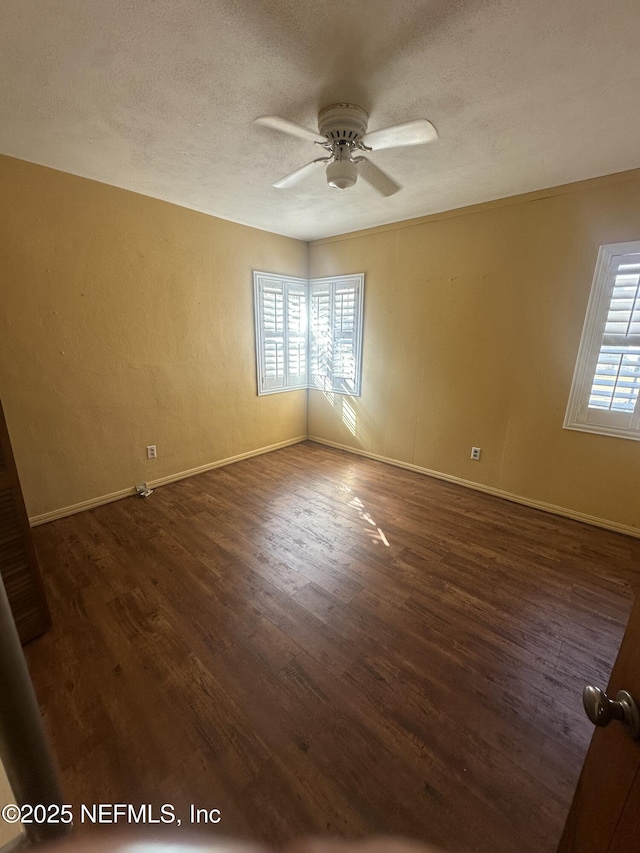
x,y
328,380
580,416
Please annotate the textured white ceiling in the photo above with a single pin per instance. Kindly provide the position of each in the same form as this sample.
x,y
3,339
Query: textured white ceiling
x,y
158,96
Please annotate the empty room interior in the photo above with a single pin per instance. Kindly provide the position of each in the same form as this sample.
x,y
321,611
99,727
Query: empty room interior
x,y
320,365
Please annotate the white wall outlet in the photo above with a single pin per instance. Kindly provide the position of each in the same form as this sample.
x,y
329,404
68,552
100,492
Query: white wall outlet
x,y
152,453
475,453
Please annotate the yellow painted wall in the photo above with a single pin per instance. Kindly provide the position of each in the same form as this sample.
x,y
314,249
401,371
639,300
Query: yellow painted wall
x,y
472,325
126,321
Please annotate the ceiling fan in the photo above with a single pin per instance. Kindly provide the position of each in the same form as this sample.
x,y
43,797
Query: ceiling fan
x,y
342,133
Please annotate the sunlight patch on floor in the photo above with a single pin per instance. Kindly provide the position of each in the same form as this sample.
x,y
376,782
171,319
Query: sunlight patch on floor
x,y
377,534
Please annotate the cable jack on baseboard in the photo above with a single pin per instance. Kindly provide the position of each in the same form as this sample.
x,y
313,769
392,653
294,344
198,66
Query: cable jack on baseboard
x,y
143,490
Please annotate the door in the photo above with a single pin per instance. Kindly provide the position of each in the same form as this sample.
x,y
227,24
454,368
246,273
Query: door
x,y
18,559
605,813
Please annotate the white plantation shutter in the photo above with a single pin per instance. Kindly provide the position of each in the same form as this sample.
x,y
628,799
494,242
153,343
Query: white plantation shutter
x,y
344,328
606,384
296,335
336,333
308,334
273,324
281,332
320,338
617,376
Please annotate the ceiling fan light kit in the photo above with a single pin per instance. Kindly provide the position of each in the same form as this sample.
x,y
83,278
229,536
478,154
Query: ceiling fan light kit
x,y
342,173
343,133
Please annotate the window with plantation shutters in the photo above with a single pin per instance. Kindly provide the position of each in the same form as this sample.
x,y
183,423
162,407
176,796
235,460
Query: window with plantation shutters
x,y
606,382
336,333
281,332
308,334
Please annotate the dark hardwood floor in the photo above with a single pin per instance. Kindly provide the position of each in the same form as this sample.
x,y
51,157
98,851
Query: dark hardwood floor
x,y
314,642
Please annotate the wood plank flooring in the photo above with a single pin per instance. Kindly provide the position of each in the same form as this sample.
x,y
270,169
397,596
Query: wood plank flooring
x,y
314,642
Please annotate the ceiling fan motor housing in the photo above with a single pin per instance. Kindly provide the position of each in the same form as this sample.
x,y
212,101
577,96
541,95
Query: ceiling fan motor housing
x,y
343,122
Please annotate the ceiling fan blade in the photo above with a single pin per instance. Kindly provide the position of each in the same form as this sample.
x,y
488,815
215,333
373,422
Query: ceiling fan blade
x,y
299,174
417,132
374,176
290,127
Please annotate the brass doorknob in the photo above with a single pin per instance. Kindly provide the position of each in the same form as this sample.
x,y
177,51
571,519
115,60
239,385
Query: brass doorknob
x,y
601,709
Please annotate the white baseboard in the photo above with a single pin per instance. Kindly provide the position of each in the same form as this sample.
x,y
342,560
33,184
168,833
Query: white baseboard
x,y
605,523
162,481
490,490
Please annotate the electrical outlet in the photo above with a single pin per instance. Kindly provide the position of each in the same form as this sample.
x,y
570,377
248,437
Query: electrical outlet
x,y
475,453
152,453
